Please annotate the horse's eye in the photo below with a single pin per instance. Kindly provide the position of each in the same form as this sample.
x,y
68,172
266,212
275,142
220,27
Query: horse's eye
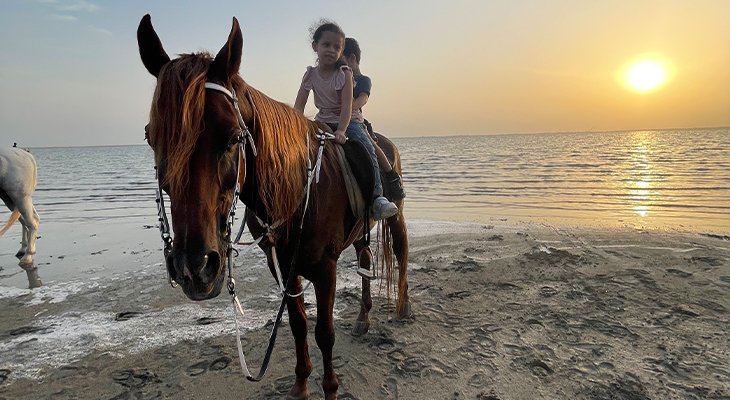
x,y
234,141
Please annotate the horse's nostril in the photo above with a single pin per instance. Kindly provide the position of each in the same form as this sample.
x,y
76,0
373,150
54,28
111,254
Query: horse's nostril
x,y
211,268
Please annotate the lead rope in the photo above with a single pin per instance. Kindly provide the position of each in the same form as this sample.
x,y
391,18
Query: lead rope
x,y
312,173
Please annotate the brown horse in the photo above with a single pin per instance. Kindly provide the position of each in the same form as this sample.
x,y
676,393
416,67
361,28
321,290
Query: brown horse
x,y
195,136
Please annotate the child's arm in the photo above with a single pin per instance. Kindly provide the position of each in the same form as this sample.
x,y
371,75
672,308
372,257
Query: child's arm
x,y
301,101
345,110
360,101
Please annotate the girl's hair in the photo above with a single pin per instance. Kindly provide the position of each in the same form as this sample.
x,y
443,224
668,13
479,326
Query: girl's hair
x,y
324,25
352,48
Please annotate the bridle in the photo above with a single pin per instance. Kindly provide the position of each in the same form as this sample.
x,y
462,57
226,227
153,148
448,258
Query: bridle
x,y
242,137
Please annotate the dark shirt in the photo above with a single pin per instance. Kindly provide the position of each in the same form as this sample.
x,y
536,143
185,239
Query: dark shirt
x,y
362,85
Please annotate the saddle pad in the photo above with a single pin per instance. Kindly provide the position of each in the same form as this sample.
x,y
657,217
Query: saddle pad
x,y
354,194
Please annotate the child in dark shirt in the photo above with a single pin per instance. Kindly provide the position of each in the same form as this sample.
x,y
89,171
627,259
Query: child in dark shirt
x,y
361,94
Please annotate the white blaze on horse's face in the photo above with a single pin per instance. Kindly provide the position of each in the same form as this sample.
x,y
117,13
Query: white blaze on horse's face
x,y
191,132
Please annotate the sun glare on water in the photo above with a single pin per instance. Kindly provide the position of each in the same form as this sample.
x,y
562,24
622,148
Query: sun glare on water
x,y
646,75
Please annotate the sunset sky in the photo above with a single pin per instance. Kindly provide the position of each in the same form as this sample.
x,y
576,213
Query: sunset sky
x,y
71,74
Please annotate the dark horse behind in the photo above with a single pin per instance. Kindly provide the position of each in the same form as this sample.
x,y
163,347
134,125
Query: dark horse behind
x,y
196,136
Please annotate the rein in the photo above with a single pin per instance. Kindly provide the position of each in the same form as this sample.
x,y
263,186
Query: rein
x,y
244,136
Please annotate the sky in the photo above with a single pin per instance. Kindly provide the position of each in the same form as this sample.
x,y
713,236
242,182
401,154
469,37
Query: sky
x,y
70,72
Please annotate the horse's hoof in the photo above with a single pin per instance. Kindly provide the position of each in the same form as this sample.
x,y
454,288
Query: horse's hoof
x,y
19,254
34,281
301,396
360,328
405,312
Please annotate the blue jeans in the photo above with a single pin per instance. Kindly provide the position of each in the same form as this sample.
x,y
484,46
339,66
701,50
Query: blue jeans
x,y
358,131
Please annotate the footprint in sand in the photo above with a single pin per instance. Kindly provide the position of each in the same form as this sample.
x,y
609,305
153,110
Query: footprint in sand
x,y
220,364
396,356
679,273
134,378
4,373
411,366
283,384
462,294
202,367
711,261
466,265
127,315
547,291
711,305
198,368
390,387
539,368
208,320
25,330
338,362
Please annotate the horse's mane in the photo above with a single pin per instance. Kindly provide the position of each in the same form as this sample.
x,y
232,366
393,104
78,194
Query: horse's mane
x,y
176,116
176,121
282,136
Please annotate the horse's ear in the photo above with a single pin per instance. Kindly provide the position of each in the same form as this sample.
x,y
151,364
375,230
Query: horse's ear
x,y
150,47
228,60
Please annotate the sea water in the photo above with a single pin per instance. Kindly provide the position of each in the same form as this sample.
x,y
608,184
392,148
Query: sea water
x,y
101,199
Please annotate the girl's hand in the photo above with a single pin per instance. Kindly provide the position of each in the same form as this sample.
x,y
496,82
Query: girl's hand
x,y
340,137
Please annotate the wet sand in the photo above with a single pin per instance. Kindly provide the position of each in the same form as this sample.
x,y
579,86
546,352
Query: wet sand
x,y
500,312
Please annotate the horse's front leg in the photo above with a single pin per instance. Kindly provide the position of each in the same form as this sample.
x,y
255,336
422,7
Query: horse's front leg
x,y
23,239
365,260
298,325
324,332
30,223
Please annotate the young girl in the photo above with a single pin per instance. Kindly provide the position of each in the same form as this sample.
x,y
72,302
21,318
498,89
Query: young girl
x,y
332,83
360,96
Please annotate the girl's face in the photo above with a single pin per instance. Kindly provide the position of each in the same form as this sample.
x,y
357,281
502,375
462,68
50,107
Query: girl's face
x,y
329,48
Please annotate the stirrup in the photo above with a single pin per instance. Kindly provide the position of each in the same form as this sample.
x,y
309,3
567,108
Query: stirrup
x,y
366,273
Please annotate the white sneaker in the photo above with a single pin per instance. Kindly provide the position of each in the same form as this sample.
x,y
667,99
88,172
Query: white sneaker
x,y
382,209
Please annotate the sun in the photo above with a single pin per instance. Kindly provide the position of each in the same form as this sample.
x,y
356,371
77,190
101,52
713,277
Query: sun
x,y
646,75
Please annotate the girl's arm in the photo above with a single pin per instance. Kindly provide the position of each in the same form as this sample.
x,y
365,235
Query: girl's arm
x,y
301,101
345,109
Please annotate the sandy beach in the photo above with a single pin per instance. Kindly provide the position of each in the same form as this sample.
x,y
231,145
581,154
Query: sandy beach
x,y
501,311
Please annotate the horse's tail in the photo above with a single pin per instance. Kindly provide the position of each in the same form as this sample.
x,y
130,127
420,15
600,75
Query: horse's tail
x,y
394,244
13,218
35,171
387,267
398,239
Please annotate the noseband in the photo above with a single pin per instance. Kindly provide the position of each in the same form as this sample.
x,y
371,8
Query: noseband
x,y
243,136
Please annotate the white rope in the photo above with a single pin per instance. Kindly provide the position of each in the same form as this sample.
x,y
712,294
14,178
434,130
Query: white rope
x,y
241,357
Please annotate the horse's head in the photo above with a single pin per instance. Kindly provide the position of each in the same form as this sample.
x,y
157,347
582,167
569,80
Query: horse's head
x,y
195,134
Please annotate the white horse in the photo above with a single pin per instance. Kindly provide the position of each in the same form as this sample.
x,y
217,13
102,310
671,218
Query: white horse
x,y
18,179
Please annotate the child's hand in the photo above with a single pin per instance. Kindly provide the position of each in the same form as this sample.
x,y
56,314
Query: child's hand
x,y
340,137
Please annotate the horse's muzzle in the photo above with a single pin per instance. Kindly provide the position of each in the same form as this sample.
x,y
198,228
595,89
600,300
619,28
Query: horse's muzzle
x,y
200,276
